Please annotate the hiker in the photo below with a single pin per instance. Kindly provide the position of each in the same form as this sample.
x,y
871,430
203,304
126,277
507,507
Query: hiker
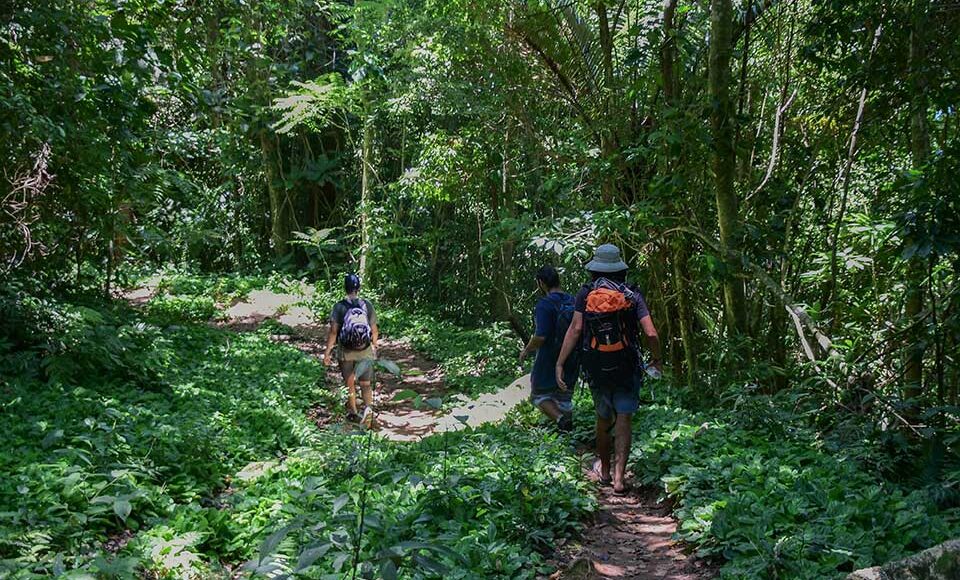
x,y
552,317
609,316
353,327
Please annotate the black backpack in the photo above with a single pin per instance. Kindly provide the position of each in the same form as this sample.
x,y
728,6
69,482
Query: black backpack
x,y
609,351
565,309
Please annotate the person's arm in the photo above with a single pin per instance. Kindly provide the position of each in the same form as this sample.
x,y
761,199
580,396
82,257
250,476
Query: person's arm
x,y
652,340
331,340
535,343
570,341
544,317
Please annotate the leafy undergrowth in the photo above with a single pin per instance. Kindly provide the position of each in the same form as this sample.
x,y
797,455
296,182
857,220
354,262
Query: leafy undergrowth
x,y
478,504
112,418
776,501
128,434
474,361
222,288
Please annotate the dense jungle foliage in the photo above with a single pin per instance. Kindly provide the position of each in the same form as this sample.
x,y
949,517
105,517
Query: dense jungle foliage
x,y
782,176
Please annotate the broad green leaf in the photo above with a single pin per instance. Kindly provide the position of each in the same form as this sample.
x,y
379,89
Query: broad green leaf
x,y
311,555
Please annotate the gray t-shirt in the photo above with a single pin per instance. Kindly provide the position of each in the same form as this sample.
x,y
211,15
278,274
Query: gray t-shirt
x,y
340,310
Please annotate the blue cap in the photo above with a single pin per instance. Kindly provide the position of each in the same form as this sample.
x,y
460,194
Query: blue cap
x,y
351,283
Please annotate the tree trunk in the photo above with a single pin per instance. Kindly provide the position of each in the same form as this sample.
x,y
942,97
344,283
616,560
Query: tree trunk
x,y
608,143
503,206
724,160
678,246
685,314
920,149
845,178
366,159
279,213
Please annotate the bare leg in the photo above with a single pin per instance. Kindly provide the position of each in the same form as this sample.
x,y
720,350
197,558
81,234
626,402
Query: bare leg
x,y
550,409
351,381
367,393
622,435
603,446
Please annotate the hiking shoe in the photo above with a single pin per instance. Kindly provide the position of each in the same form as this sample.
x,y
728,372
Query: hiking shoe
x,y
565,423
367,419
353,417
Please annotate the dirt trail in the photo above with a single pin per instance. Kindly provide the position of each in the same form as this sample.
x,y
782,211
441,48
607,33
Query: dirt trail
x,y
399,420
631,538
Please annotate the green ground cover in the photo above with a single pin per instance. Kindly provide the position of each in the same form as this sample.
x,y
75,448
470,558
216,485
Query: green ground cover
x,y
474,360
128,426
772,499
126,430
116,418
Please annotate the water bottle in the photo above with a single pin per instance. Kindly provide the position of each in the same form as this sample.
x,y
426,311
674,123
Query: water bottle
x,y
653,372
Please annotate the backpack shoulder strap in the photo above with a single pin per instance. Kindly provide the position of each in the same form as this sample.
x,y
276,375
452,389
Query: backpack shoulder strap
x,y
345,306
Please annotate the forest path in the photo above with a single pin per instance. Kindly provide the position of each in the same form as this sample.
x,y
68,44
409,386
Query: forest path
x,y
405,419
399,420
631,537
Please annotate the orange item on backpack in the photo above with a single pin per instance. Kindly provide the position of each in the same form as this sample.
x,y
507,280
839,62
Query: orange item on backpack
x,y
607,300
604,311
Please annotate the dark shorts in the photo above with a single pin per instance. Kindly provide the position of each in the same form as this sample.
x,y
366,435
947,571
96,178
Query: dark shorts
x,y
561,399
621,398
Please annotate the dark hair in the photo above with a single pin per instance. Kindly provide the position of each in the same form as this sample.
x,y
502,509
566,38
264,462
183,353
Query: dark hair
x,y
351,283
549,276
620,276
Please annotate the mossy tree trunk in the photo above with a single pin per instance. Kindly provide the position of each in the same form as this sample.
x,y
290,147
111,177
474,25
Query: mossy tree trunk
x,y
366,177
724,161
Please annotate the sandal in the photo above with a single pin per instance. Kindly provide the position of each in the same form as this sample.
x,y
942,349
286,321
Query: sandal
x,y
603,482
625,490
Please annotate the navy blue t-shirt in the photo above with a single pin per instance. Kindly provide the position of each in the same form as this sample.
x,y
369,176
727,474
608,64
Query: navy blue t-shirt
x,y
543,378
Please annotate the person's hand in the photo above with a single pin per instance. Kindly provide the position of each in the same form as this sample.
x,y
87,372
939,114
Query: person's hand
x,y
561,384
523,354
327,359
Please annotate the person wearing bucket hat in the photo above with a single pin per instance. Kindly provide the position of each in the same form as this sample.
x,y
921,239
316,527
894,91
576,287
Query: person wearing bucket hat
x,y
606,260
609,316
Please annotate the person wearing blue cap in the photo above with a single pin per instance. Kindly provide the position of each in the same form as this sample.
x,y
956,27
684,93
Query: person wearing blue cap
x,y
354,330
609,316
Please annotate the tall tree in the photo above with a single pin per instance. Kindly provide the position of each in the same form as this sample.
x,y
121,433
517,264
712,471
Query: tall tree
x,y
920,151
724,161
670,164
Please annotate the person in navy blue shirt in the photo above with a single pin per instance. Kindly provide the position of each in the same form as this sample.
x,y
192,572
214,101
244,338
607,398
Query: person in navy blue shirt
x,y
555,403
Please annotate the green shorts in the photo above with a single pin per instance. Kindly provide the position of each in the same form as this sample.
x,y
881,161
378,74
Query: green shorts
x,y
348,360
